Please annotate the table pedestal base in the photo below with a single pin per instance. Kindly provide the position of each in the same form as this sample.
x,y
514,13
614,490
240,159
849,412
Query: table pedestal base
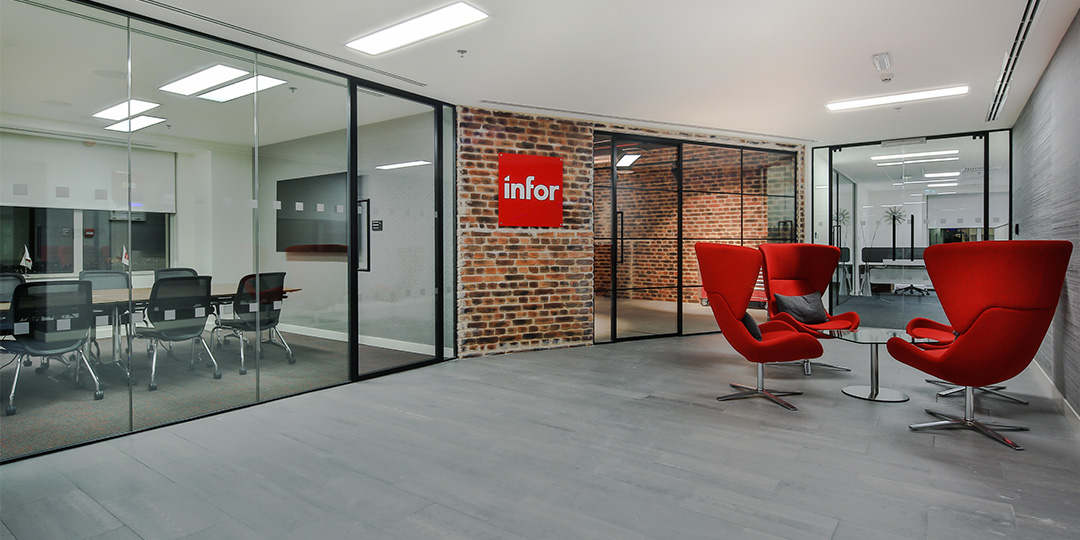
x,y
887,395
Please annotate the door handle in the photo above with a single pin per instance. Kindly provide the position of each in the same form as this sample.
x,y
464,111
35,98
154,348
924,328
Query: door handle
x,y
622,245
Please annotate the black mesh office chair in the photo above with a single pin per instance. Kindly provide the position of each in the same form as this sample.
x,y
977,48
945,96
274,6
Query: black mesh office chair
x,y
104,280
178,309
8,282
50,319
162,273
256,308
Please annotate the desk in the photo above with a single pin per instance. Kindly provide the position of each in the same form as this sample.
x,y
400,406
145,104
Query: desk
x,y
873,337
905,274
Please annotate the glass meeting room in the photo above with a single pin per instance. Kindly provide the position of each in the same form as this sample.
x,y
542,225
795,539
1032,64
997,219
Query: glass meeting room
x,y
175,226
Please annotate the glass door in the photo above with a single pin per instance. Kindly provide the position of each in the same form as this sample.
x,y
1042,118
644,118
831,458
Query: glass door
x,y
637,198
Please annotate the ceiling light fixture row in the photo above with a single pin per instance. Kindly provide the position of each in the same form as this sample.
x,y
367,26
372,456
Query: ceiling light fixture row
x,y
128,112
416,29
898,98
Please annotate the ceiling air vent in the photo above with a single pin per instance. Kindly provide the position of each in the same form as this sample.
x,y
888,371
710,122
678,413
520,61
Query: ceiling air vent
x,y
1001,89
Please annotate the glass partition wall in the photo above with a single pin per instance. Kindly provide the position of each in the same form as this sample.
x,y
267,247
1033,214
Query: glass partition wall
x,y
904,196
131,149
654,199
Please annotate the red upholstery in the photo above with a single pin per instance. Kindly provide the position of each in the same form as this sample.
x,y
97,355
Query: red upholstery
x,y
728,274
941,335
799,269
1000,297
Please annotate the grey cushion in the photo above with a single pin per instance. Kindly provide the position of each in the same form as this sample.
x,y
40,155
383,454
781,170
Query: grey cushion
x,y
806,309
751,326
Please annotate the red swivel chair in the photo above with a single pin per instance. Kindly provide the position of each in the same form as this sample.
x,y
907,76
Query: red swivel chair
x,y
798,270
940,335
728,274
1000,298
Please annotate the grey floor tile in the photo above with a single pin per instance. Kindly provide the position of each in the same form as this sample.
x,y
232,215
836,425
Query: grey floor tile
x,y
267,507
166,513
71,516
5,534
366,499
30,480
436,522
157,447
846,530
122,533
116,479
228,529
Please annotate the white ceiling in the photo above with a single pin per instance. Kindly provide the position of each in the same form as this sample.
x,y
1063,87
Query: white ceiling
x,y
765,67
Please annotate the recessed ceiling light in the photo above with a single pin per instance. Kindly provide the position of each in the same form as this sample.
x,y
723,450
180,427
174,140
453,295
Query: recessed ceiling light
x,y
403,165
916,194
207,78
916,202
126,109
891,205
911,161
419,28
947,193
242,88
943,184
897,98
627,160
135,124
916,155
941,175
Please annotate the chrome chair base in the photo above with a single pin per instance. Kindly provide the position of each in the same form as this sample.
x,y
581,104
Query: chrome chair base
x,y
989,429
807,366
953,390
968,421
760,391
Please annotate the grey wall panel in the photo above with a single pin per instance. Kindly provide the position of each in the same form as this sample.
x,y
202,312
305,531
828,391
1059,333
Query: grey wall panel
x,y
1046,150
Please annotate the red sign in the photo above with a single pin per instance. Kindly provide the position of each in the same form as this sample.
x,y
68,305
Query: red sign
x,y
530,191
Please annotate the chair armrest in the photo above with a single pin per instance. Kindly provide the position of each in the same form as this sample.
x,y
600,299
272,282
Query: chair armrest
x,y
851,317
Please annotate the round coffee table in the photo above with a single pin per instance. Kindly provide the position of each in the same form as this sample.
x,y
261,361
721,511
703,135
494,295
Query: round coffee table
x,y
874,337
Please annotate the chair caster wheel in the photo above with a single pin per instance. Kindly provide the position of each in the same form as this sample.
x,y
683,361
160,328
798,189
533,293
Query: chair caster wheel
x,y
41,369
243,371
152,386
100,394
27,362
217,374
9,411
292,359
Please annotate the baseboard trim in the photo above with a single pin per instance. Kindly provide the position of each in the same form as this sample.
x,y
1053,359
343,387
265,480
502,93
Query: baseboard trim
x,y
1063,405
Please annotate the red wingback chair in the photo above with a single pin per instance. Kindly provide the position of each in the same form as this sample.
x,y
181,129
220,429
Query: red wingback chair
x,y
801,269
1000,298
728,274
942,335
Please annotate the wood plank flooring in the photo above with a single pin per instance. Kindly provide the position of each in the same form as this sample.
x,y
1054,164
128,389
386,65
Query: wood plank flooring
x,y
616,441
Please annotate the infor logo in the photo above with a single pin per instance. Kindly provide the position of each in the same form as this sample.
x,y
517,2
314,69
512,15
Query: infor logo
x,y
530,191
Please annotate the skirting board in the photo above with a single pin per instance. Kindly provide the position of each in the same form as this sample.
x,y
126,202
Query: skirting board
x,y
397,345
1064,406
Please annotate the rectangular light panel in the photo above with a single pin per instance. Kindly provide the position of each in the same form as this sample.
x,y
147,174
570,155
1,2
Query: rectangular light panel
x,y
135,124
943,184
402,165
941,175
126,109
627,160
419,28
910,161
207,78
897,98
242,88
915,155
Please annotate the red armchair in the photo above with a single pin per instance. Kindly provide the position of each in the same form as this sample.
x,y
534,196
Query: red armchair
x,y
801,269
1000,298
942,335
728,274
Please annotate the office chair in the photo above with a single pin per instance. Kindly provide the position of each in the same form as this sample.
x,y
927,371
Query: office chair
x,y
178,309
1000,298
804,270
50,319
940,335
161,273
8,282
256,308
728,274
104,280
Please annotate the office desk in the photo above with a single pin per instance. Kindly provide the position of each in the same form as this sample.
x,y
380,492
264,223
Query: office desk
x,y
902,274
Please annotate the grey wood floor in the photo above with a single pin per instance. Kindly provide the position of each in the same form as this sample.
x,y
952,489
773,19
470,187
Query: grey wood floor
x,y
621,441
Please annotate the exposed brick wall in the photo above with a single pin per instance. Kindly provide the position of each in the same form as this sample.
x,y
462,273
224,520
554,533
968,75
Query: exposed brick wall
x,y
532,288
522,288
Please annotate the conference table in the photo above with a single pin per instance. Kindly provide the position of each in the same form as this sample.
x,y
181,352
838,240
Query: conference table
x,y
113,302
